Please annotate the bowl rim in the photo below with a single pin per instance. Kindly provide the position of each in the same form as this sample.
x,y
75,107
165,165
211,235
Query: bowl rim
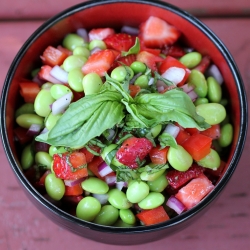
x,y
140,229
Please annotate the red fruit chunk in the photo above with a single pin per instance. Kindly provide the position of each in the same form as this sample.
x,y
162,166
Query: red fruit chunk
x,y
53,56
191,194
133,150
156,33
74,190
176,179
70,166
99,62
29,91
182,136
203,65
174,51
212,132
119,41
149,59
100,33
158,155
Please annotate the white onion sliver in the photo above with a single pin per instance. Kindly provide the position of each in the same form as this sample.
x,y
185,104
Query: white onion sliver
x,y
174,74
102,198
110,180
59,73
83,33
129,30
175,204
33,130
104,169
151,81
71,183
187,87
192,94
121,184
111,134
45,130
215,72
61,104
94,50
172,130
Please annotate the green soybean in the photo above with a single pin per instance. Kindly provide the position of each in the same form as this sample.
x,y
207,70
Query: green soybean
x,y
91,83
26,120
214,92
59,90
156,130
56,150
47,85
27,157
201,100
213,113
137,191
51,120
74,61
142,81
120,73
179,158
97,44
81,51
138,67
198,80
107,216
153,200
145,176
226,136
212,160
75,77
118,199
71,41
159,184
42,102
88,208
26,108
54,186
127,216
43,159
191,59
95,185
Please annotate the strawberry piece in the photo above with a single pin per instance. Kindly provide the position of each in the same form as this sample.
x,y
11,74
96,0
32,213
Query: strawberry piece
x,y
119,41
174,51
156,33
99,62
133,150
149,59
203,65
70,166
100,33
176,179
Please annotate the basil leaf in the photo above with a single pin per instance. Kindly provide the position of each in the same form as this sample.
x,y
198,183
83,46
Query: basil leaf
x,y
134,49
153,169
166,139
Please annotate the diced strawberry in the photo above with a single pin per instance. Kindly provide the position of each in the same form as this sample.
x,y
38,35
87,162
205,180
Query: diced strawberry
x,y
158,155
100,33
64,50
89,156
119,41
176,178
134,90
127,60
192,193
212,132
203,65
99,62
174,51
44,74
149,59
133,151
155,33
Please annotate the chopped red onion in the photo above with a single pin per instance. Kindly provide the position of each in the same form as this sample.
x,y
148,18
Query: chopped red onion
x,y
129,30
45,130
172,130
48,77
102,198
38,80
72,183
175,204
61,104
104,169
121,184
214,71
110,180
83,33
59,73
174,74
94,50
41,146
33,130
192,94
187,87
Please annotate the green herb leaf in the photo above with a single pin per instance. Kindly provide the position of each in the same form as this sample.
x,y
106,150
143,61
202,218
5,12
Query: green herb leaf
x,y
166,139
134,49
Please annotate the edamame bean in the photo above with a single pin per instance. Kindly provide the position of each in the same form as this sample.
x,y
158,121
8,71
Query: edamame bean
x,y
179,158
81,51
54,186
191,59
118,199
213,113
47,85
51,120
107,216
212,160
142,81
75,77
71,41
145,176
74,61
138,67
26,108
214,91
156,130
226,135
26,120
42,102
97,44
153,200
56,150
159,184
201,100
127,216
95,185
27,157
88,208
121,72
198,80
43,159
137,191
59,90
91,83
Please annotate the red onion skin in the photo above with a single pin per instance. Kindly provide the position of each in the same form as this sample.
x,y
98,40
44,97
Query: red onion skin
x,y
71,183
41,146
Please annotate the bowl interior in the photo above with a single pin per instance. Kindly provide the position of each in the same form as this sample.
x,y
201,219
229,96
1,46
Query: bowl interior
x,y
116,14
